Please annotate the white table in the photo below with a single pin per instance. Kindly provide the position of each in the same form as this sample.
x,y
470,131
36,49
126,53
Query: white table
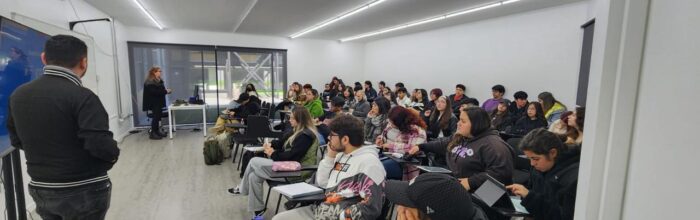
x,y
171,117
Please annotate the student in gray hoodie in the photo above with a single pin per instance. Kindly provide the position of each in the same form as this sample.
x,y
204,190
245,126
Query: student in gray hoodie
x,y
351,174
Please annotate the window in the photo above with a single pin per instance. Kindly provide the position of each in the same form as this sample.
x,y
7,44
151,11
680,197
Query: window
x,y
221,73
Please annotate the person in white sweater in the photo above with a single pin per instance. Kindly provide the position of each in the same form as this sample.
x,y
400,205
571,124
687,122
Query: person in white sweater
x,y
351,174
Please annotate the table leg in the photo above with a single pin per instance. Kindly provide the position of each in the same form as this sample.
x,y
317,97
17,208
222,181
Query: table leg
x,y
173,116
170,120
204,120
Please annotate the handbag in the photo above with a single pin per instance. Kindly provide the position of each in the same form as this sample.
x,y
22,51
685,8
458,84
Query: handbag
x,y
285,166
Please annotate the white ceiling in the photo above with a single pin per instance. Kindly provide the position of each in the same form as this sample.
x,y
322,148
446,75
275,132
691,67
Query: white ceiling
x,y
285,17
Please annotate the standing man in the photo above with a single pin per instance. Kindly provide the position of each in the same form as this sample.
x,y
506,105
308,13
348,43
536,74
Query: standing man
x,y
64,131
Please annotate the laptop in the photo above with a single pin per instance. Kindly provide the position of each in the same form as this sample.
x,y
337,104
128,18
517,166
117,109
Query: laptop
x,y
492,190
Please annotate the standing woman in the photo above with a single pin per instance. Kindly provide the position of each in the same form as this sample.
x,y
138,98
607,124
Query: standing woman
x,y
154,92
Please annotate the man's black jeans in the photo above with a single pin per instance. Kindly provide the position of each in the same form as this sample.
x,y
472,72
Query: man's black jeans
x,y
76,203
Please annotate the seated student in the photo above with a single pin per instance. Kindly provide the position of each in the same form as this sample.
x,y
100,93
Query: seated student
x,y
534,119
361,107
551,192
517,108
376,119
307,87
245,107
419,100
369,91
349,96
299,145
551,107
327,93
499,116
381,87
347,167
442,123
336,108
254,96
575,121
313,103
390,96
404,130
434,94
474,151
497,92
397,86
457,98
433,196
560,127
402,98
358,85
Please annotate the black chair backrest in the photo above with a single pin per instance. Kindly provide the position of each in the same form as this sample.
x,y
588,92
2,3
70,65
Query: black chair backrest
x,y
258,126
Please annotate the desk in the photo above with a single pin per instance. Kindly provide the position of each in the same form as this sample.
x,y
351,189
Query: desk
x,y
171,119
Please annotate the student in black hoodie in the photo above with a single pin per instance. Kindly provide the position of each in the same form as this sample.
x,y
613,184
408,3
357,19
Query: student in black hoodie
x,y
517,108
370,92
474,151
533,119
551,193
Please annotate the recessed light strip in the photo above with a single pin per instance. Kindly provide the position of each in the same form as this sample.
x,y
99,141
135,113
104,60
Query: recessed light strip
x,y
148,14
425,21
337,18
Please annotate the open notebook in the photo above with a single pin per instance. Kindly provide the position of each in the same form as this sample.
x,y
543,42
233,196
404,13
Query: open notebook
x,y
297,190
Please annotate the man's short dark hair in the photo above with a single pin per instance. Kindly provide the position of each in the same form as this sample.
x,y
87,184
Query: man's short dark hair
x,y
520,95
65,51
400,85
464,88
540,141
314,92
382,83
337,101
499,88
358,88
307,86
402,89
369,83
347,125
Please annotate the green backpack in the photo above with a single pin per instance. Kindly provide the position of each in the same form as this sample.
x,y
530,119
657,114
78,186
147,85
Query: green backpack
x,y
212,152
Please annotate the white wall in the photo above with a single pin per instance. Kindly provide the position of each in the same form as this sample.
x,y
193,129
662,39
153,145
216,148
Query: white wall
x,y
534,51
309,61
664,155
59,13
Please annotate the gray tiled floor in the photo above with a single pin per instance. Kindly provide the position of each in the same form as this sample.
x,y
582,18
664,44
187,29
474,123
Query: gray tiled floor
x,y
167,179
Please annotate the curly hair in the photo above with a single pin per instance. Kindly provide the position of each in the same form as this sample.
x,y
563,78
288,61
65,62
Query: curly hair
x,y
403,118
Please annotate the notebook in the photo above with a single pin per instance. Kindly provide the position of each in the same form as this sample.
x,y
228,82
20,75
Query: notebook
x,y
254,149
297,190
429,169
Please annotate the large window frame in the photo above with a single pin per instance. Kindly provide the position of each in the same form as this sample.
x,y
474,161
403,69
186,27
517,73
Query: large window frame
x,y
138,69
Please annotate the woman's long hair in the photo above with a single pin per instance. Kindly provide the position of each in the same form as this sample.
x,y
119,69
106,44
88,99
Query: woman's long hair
x,y
447,114
304,121
481,123
403,118
548,101
151,77
251,88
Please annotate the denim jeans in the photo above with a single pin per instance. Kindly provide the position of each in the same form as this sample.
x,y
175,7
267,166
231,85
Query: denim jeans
x,y
82,202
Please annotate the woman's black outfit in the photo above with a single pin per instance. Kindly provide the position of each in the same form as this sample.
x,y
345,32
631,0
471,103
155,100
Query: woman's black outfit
x,y
154,100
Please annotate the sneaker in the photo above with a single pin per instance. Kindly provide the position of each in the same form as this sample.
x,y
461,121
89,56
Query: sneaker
x,y
260,213
234,191
154,136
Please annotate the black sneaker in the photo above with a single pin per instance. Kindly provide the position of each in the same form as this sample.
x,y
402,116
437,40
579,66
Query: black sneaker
x,y
154,136
234,191
260,213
